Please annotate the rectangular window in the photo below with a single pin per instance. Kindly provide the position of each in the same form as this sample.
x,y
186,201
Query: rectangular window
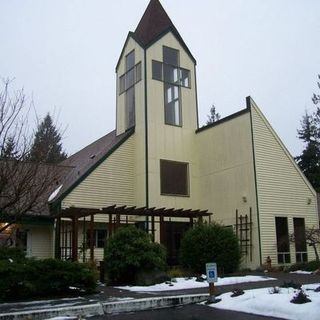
x,y
300,239
130,107
172,110
185,78
138,72
283,245
130,61
99,238
170,56
157,70
122,84
174,178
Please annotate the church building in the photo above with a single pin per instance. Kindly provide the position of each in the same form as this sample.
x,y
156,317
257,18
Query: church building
x,y
160,171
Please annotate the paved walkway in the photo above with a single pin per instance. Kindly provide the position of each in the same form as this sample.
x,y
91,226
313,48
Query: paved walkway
x,y
110,294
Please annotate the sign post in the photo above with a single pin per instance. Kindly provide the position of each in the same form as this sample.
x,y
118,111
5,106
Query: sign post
x,y
212,277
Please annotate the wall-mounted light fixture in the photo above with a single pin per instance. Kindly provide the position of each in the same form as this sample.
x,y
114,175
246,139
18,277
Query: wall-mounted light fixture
x,y
309,200
244,199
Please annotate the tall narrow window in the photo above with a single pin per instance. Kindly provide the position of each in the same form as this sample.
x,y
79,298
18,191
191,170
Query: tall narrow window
x,y
130,108
300,239
126,85
172,104
283,245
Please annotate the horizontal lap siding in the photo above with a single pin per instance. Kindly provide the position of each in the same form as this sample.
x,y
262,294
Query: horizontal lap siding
x,y
41,241
282,189
110,183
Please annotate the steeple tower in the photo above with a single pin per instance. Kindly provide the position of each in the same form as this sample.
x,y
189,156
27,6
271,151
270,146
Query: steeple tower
x,y
153,23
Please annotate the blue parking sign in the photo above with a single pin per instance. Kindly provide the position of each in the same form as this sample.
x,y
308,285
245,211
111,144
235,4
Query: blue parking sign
x,y
212,274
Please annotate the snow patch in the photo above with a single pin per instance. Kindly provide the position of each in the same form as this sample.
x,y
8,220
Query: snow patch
x,y
260,301
54,193
191,283
301,272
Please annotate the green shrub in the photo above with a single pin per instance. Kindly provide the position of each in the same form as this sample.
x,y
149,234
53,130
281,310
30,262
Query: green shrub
x,y
130,250
14,254
305,266
33,278
210,243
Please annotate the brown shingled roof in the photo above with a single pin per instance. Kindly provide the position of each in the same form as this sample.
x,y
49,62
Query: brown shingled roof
x,y
85,160
153,22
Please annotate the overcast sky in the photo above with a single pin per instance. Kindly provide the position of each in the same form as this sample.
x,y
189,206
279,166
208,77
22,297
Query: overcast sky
x,y
64,52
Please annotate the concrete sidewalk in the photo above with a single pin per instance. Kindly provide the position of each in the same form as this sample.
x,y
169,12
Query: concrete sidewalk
x,y
111,300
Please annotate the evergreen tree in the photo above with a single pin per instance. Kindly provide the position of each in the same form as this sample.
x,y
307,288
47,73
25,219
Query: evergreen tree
x,y
309,160
9,150
47,146
316,97
213,116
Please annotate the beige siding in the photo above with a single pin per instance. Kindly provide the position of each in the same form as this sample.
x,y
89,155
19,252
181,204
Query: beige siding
x,y
110,183
139,136
40,241
226,175
166,141
282,188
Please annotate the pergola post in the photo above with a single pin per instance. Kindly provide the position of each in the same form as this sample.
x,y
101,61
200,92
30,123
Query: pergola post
x,y
152,228
191,222
110,225
57,253
118,220
162,235
74,238
91,238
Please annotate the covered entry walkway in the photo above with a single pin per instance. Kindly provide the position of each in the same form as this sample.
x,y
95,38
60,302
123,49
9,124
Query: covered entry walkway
x,y
71,220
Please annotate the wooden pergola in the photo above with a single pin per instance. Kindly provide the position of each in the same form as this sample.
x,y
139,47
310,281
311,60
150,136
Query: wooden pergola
x,y
117,215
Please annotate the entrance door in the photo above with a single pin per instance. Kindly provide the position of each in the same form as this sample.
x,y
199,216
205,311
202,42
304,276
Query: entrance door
x,y
171,239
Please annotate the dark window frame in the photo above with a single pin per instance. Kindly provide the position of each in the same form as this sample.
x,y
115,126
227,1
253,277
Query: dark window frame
x,y
187,179
166,105
282,238
96,240
299,229
180,70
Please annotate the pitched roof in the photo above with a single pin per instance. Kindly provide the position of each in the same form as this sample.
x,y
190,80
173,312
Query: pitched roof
x,y
85,160
153,23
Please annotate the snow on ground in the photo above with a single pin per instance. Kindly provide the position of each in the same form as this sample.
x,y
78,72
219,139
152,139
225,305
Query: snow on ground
x,y
260,301
301,272
191,283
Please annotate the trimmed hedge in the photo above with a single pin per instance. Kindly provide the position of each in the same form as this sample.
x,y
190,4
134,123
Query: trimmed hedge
x,y
39,278
129,251
14,254
210,243
305,266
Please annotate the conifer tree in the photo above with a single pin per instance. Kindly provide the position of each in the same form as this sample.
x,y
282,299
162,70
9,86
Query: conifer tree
x,y
47,146
309,160
213,116
9,150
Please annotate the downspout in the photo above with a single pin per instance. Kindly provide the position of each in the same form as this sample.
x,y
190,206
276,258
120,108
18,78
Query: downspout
x,y
146,135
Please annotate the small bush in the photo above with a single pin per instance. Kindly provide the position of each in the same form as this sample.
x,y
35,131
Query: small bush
x,y
34,278
130,250
291,284
14,254
300,298
178,272
237,293
275,290
210,243
305,266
